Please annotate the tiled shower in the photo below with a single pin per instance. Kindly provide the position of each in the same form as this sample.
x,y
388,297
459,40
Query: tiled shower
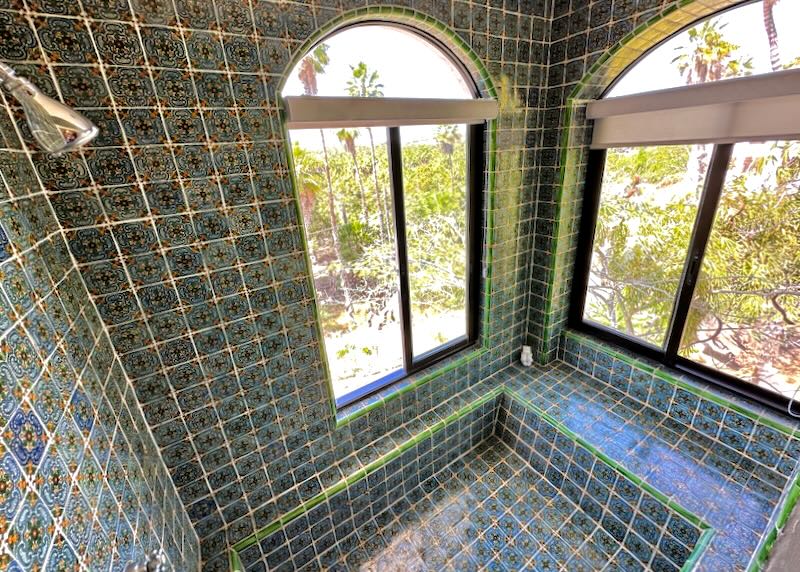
x,y
163,386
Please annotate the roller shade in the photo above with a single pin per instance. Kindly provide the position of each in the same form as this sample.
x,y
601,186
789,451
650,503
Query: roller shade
x,y
318,112
742,109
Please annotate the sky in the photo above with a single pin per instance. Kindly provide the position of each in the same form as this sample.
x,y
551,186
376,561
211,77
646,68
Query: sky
x,y
408,65
743,26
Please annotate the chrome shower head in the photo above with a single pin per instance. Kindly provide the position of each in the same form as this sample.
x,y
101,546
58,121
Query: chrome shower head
x,y
56,128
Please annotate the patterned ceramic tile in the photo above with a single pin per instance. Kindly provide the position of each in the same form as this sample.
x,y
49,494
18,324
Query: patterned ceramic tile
x,y
487,509
61,394
718,480
179,265
30,535
181,217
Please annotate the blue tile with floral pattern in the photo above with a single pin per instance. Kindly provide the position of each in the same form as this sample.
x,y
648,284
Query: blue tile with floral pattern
x,y
490,510
718,464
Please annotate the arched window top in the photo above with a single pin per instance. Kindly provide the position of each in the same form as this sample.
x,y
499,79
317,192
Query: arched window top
x,y
751,39
379,60
381,75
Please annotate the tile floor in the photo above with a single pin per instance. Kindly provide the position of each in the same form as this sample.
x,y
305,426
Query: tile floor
x,y
555,487
490,510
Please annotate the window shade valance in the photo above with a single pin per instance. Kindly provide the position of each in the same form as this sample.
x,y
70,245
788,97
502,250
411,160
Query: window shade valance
x,y
741,109
318,112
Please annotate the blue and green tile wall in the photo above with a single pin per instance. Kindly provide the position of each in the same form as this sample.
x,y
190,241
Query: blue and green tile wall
x,y
82,483
175,235
182,221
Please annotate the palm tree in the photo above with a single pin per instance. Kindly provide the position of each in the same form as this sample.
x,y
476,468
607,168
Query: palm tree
x,y
308,182
448,136
313,65
347,137
365,84
772,33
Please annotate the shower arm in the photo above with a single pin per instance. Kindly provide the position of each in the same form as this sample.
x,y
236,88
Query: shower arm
x,y
11,81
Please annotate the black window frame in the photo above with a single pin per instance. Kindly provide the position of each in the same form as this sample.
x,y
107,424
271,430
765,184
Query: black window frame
x,y
475,178
701,231
475,157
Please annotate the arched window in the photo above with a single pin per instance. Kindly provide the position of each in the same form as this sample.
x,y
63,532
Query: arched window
x,y
690,243
387,137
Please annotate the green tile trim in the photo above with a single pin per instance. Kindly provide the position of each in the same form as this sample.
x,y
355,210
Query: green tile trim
x,y
359,474
665,375
699,550
690,516
768,542
395,391
236,562
410,17
786,506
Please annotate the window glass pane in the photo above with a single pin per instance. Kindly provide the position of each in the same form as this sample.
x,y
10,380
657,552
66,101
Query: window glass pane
x,y
345,198
746,308
750,39
648,205
377,61
435,189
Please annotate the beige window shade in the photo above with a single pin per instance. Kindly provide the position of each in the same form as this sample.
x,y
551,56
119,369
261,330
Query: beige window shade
x,y
318,112
742,109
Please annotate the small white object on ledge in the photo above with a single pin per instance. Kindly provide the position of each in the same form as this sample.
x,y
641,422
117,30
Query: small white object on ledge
x,y
527,356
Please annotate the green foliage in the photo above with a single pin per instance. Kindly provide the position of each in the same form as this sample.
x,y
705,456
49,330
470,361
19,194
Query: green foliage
x,y
746,308
355,237
709,57
313,65
752,265
747,301
435,194
364,82
641,239
650,165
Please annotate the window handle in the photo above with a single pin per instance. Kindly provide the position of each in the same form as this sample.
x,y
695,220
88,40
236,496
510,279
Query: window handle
x,y
694,267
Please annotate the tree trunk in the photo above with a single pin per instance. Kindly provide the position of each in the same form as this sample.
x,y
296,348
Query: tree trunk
x,y
772,34
696,167
361,193
452,175
337,250
378,194
307,206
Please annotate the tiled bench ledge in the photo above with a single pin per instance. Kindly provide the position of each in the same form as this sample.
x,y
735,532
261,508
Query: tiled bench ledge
x,y
461,500
733,468
369,438
734,472
435,442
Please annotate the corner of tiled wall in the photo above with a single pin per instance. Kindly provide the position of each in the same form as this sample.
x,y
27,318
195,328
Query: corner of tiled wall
x,y
82,482
182,220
